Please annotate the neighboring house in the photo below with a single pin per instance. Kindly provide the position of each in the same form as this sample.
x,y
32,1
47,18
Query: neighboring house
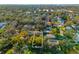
x,y
29,27
51,40
68,28
50,36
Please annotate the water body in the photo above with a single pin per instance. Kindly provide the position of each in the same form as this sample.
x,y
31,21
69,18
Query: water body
x,y
2,25
77,37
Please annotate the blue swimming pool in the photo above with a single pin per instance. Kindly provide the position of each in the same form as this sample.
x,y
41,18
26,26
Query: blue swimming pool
x,y
2,25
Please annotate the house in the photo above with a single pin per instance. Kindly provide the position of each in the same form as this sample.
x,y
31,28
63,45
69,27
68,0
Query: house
x,y
52,42
29,27
68,28
50,36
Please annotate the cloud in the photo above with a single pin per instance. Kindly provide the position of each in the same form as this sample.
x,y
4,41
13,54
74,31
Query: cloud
x,y
39,1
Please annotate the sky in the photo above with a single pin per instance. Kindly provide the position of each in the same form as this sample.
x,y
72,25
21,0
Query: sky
x,y
39,1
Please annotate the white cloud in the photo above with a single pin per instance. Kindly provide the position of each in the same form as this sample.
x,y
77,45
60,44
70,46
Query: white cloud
x,y
39,1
